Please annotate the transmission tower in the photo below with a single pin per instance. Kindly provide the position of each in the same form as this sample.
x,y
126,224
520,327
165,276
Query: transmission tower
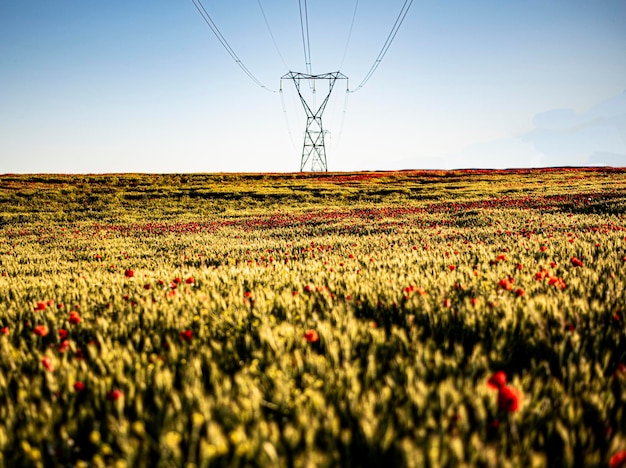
x,y
313,148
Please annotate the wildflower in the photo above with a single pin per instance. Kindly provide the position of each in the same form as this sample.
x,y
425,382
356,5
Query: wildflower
x,y
40,330
79,386
502,258
186,335
189,280
508,399
577,262
41,306
47,363
64,346
129,273
115,394
519,292
5,331
146,286
452,267
311,336
506,284
74,318
618,460
447,303
497,380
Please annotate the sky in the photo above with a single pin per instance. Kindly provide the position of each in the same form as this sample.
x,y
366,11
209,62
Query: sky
x,y
145,86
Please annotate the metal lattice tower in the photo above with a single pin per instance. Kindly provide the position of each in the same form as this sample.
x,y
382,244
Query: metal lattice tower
x,y
313,148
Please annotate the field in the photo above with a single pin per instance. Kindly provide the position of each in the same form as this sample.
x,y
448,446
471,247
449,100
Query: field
x,y
415,318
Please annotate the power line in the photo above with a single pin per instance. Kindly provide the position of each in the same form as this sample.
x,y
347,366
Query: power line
x,y
345,51
304,26
387,44
272,35
282,101
207,19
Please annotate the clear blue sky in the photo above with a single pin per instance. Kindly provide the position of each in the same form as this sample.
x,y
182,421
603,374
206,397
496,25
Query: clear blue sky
x,y
144,85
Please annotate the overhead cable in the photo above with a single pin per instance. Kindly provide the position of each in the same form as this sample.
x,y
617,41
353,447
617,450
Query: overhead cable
x,y
304,26
385,48
207,19
345,51
272,35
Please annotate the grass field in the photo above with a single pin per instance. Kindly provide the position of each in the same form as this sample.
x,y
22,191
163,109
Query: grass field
x,y
415,318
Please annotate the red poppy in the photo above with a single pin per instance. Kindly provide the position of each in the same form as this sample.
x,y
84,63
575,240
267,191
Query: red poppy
x,y
41,305
577,262
115,394
508,399
519,292
618,460
311,336
5,331
177,280
47,363
79,386
189,280
452,267
129,273
447,303
74,318
497,380
40,330
186,335
64,346
146,286
506,284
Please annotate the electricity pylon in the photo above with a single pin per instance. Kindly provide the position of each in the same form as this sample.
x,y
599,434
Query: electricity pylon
x,y
314,148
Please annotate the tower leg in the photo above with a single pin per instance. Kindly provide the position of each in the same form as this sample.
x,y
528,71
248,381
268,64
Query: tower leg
x,y
314,148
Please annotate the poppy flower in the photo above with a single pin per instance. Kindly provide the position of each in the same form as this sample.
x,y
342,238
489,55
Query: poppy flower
x,y
129,273
311,336
40,330
41,306
189,280
47,363
115,394
506,284
577,262
79,386
618,460
146,286
5,331
74,318
519,292
452,267
64,346
508,399
497,380
186,335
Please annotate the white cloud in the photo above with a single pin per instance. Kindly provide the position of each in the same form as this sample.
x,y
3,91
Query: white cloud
x,y
560,137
